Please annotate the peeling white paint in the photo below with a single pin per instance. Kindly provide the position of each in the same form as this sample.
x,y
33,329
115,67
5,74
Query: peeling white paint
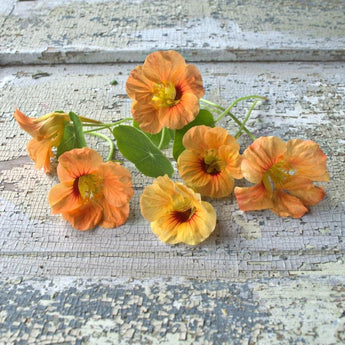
x,y
249,228
306,311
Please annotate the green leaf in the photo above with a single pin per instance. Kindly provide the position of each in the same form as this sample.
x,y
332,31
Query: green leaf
x,y
203,118
139,149
73,136
78,130
156,138
68,140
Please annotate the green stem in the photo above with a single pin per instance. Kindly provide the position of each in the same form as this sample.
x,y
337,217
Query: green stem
x,y
162,138
239,132
227,110
112,146
205,101
240,124
94,130
107,125
212,110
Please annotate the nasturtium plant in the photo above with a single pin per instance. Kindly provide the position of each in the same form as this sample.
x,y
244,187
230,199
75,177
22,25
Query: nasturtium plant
x,y
166,95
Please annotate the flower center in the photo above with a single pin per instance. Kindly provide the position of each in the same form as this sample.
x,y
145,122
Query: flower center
x,y
89,186
183,210
165,95
184,216
212,164
276,176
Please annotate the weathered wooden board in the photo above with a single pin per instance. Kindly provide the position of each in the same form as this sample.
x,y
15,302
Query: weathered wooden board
x,y
75,31
155,311
306,100
258,279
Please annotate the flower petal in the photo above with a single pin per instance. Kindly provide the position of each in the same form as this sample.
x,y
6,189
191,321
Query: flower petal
x,y
305,190
307,158
138,87
201,138
253,198
26,123
193,81
114,216
179,115
230,154
53,127
40,152
117,184
147,116
222,185
156,199
286,205
62,198
166,235
190,168
200,227
218,186
163,66
85,217
78,162
260,156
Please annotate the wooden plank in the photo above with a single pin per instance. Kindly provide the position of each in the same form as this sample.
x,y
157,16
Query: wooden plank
x,y
107,31
155,311
306,100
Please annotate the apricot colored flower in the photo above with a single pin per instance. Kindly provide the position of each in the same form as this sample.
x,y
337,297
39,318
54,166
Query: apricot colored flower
x,y
284,175
165,92
47,132
91,192
210,161
176,213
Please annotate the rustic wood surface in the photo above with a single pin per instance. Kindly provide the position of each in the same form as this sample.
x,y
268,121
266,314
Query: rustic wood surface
x,y
305,100
56,31
259,279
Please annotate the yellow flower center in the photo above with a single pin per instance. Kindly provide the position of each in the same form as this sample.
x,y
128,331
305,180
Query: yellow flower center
x,y
165,95
276,176
89,186
212,164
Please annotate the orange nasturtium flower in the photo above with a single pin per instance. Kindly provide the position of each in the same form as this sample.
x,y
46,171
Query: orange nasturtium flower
x,y
91,192
165,92
176,213
210,161
47,132
284,175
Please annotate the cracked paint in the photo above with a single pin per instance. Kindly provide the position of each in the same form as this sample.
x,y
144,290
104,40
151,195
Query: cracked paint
x,y
173,311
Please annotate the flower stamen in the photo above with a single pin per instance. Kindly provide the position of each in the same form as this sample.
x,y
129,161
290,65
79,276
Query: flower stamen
x,y
212,164
165,95
89,186
276,176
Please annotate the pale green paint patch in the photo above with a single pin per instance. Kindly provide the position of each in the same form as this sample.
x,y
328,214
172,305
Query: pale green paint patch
x,y
305,311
